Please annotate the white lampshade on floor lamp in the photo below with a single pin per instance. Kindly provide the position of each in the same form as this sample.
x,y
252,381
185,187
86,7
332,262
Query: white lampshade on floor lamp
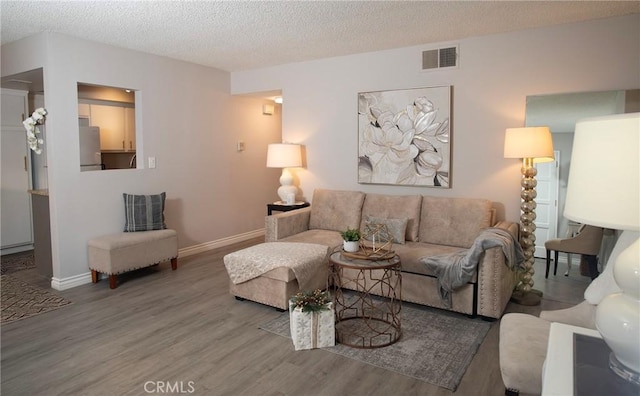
x,y
285,155
604,190
532,144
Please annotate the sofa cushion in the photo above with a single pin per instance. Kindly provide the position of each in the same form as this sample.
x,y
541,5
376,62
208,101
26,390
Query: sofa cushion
x,y
328,238
396,227
394,207
453,221
335,210
411,253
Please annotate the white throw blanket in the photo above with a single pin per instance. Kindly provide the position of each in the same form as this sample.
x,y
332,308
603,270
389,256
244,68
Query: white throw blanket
x,y
454,270
302,258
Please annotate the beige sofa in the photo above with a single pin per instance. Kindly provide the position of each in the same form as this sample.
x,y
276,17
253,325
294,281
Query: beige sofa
x,y
434,226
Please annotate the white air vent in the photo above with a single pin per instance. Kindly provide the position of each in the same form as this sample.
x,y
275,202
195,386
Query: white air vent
x,y
440,58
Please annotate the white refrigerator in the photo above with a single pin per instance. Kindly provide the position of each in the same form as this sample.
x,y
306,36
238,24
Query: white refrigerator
x,y
90,156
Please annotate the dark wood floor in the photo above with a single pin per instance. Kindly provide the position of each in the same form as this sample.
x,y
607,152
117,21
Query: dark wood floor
x,y
182,327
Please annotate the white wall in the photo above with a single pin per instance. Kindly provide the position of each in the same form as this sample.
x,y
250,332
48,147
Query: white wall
x,y
190,123
495,75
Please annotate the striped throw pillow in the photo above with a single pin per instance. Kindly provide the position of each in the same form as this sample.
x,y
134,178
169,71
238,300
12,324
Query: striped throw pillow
x,y
144,212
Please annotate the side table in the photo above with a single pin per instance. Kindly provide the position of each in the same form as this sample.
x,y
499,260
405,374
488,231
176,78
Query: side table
x,y
577,363
370,316
280,206
557,372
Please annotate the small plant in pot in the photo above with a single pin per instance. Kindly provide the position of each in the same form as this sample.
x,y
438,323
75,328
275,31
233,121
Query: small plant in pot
x,y
351,239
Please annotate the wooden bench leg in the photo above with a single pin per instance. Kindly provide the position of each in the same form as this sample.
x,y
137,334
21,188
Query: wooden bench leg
x,y
94,276
113,281
174,263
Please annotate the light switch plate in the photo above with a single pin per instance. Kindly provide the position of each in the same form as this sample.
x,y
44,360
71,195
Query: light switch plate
x,y
240,146
152,162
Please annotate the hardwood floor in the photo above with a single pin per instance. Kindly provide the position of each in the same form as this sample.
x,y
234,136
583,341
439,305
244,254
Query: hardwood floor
x,y
182,328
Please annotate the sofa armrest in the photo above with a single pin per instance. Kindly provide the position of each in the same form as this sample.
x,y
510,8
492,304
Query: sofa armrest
x,y
513,228
286,224
496,280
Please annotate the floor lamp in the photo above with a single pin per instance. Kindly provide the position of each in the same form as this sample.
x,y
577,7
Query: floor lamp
x,y
285,155
604,190
531,144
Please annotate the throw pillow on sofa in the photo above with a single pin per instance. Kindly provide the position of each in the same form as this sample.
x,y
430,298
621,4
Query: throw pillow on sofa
x,y
396,227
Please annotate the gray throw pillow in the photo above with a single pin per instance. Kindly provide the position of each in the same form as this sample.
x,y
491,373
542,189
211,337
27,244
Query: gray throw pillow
x,y
144,212
396,227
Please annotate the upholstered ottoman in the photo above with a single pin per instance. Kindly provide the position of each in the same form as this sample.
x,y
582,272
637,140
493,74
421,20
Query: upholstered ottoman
x,y
523,348
270,273
119,253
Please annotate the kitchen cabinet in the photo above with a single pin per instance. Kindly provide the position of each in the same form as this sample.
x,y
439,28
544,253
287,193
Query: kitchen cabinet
x,y
84,110
16,232
130,127
117,126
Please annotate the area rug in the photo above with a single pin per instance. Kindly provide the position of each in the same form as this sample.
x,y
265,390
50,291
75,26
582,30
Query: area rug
x,y
17,262
21,300
436,346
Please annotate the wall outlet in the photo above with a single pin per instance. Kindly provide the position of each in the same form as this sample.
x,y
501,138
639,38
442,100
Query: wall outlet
x,y
152,162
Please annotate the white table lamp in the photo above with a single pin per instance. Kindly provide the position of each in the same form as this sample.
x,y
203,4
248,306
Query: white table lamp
x,y
285,155
604,190
532,144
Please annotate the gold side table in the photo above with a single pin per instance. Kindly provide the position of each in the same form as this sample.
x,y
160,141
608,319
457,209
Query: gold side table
x,y
369,317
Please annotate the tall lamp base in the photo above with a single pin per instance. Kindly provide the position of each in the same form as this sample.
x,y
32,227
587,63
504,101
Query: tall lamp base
x,y
524,293
528,298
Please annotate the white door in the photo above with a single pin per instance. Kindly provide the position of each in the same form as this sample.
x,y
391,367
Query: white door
x,y
15,203
547,203
15,199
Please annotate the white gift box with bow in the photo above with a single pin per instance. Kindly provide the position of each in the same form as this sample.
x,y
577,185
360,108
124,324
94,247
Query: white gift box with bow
x,y
310,330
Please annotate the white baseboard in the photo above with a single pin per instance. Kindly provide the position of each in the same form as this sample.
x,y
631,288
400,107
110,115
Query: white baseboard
x,y
72,281
16,249
82,279
203,247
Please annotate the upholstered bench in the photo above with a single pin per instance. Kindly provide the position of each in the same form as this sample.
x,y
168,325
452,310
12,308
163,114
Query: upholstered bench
x,y
127,251
270,273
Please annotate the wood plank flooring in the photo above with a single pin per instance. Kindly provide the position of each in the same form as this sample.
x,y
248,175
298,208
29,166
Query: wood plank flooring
x,y
183,328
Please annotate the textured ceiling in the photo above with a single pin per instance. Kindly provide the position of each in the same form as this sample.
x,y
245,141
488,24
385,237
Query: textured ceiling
x,y
240,35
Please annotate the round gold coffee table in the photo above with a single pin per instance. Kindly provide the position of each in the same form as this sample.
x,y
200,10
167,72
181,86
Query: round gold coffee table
x,y
368,317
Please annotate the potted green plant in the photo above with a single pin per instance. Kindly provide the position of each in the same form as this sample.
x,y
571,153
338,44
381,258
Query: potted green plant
x,y
351,239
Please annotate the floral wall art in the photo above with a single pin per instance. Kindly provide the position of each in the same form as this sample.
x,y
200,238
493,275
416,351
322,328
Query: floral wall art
x,y
404,137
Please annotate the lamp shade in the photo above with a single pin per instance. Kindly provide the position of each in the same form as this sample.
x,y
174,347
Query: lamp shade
x,y
529,142
604,178
284,155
